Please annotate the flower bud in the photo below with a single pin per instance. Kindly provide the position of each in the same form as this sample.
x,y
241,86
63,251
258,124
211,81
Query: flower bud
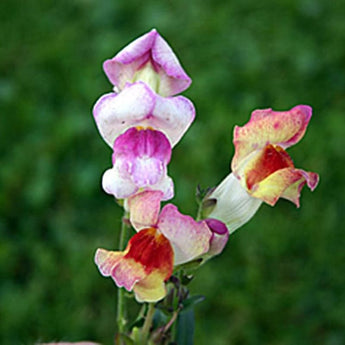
x,y
219,238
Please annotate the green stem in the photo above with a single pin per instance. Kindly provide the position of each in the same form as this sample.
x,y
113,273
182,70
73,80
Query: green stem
x,y
199,213
121,307
147,324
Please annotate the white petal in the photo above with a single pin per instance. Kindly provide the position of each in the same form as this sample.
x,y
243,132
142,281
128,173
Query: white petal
x,y
115,113
234,206
115,184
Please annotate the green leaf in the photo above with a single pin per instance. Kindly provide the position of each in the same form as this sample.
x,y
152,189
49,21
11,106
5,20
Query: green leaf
x,y
124,340
159,318
137,323
185,328
190,302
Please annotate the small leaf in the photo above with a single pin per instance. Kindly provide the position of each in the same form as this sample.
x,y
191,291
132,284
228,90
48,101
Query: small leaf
x,y
185,328
123,339
159,319
192,301
137,323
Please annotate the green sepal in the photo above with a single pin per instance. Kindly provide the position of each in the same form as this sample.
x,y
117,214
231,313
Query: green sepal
x,y
191,301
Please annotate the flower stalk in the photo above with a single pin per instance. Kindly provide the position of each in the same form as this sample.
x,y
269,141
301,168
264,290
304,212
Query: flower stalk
x,y
121,306
147,324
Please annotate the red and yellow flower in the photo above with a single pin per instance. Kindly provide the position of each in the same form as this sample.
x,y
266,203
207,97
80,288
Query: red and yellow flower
x,y
163,240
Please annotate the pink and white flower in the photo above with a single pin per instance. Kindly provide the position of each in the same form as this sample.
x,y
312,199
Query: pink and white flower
x,y
138,105
140,161
151,60
163,240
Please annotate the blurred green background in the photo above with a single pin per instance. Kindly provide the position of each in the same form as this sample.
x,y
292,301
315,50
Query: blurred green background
x,y
281,279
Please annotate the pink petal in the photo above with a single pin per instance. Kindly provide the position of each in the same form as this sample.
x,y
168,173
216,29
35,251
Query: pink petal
x,y
173,116
152,48
138,142
115,113
125,273
145,152
121,68
283,128
144,209
174,80
188,238
138,105
139,163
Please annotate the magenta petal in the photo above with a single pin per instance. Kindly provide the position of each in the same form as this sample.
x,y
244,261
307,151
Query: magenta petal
x,y
142,154
142,143
220,236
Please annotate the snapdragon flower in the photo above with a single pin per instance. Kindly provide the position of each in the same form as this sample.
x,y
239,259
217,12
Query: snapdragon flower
x,y
149,59
262,169
164,240
138,105
145,75
140,161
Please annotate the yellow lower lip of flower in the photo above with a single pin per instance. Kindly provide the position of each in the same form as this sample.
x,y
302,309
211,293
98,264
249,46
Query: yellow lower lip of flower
x,y
143,267
271,159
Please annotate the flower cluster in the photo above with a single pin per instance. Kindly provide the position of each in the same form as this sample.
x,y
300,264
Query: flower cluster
x,y
142,120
